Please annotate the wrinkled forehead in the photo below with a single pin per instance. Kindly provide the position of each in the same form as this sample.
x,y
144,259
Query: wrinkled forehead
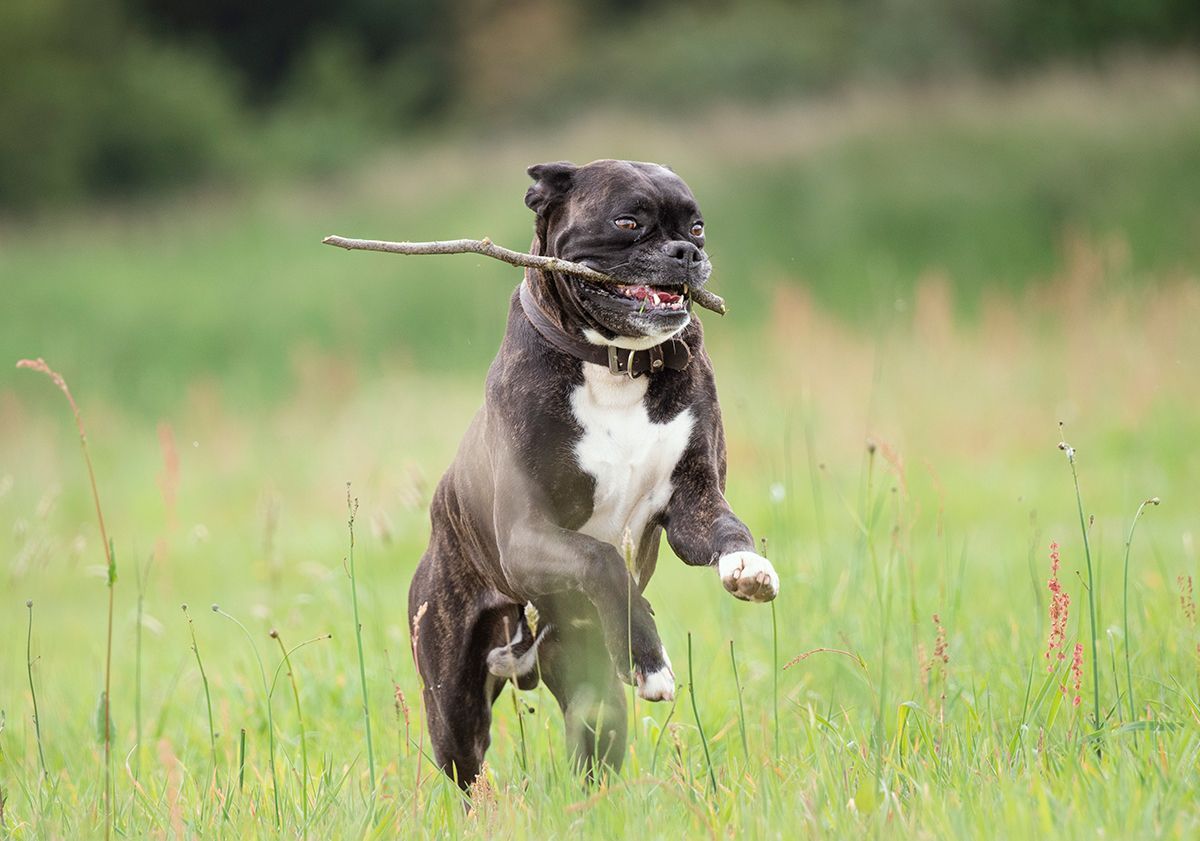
x,y
625,186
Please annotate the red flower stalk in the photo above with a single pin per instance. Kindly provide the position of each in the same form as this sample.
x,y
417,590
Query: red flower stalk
x,y
939,644
1060,606
1186,602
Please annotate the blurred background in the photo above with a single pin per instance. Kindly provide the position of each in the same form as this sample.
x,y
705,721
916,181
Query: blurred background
x,y
167,168
944,225
930,216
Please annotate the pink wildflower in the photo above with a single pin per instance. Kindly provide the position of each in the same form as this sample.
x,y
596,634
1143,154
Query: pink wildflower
x,y
1186,602
939,644
934,666
1076,673
1060,604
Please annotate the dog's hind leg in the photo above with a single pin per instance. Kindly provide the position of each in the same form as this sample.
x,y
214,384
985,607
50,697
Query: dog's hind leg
x,y
454,626
577,669
594,714
459,725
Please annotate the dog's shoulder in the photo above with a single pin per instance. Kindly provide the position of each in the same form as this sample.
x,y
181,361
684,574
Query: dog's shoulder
x,y
528,377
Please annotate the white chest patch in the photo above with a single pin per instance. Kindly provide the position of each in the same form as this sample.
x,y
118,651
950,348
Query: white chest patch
x,y
630,458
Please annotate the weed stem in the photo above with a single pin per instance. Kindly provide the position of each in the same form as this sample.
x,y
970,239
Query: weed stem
x,y
352,508
1125,611
262,672
37,719
1091,588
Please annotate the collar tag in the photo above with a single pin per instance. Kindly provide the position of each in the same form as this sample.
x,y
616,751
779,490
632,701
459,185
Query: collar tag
x,y
614,361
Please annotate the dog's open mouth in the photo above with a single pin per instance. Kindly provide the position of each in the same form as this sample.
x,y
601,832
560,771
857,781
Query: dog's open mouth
x,y
653,299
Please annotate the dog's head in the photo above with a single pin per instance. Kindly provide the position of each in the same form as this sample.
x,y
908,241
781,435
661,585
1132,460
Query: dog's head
x,y
637,222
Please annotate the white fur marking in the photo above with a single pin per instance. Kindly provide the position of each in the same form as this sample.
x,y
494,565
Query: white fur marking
x,y
502,661
657,686
630,458
655,336
748,576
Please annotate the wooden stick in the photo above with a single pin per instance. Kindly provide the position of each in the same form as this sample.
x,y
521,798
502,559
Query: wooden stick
x,y
487,248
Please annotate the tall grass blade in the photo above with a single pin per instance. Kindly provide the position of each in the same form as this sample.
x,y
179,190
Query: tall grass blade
x,y
212,730
1125,613
737,683
111,565
352,509
262,673
712,777
1091,584
37,719
291,673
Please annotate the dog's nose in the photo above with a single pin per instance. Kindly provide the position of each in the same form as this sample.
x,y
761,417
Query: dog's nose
x,y
684,252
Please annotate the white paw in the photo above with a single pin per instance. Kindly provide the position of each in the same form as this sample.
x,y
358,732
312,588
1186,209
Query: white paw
x,y
748,576
656,686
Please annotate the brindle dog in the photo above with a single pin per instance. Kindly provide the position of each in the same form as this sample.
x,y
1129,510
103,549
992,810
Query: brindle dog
x,y
599,432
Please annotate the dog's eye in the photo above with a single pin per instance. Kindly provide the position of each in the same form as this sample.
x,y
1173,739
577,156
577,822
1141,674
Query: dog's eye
x,y
626,223
698,229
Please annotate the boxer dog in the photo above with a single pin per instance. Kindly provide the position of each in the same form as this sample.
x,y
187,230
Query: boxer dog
x,y
600,431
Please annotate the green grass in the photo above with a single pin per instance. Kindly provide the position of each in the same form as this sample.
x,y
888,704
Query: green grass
x,y
283,371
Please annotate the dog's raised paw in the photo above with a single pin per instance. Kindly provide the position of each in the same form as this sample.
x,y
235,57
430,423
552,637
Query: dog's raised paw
x,y
659,685
749,576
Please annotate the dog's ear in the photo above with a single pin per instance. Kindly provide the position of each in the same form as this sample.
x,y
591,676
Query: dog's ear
x,y
550,183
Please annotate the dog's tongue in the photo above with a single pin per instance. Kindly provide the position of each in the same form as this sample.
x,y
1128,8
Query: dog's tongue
x,y
657,296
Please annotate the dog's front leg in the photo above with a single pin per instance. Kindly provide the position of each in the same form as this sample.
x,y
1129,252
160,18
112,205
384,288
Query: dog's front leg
x,y
539,558
704,531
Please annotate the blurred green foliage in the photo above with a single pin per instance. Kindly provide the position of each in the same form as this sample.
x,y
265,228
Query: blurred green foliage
x,y
981,188
88,106
102,97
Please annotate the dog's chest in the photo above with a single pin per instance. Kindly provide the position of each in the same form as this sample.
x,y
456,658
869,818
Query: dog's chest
x,y
630,457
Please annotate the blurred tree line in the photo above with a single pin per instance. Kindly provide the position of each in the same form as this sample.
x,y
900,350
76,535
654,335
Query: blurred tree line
x,y
103,97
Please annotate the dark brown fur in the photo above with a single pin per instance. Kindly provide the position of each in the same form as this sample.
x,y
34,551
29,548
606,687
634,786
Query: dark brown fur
x,y
505,515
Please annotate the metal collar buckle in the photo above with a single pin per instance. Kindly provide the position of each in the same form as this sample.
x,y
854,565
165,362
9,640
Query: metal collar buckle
x,y
614,361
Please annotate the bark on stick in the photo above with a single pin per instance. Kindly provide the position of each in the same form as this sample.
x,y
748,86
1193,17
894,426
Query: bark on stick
x,y
701,297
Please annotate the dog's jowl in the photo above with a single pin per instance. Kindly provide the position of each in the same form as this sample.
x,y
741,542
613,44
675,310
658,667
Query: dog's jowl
x,y
600,431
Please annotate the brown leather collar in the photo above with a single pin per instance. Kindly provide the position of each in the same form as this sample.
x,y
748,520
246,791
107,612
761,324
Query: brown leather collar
x,y
672,354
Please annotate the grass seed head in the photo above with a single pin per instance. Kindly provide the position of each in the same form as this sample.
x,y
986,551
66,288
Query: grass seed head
x,y
401,703
416,623
532,617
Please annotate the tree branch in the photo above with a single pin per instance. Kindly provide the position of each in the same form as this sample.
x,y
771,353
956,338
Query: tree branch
x,y
701,297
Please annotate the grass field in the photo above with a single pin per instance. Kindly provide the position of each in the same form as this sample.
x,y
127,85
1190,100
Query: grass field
x,y
921,288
